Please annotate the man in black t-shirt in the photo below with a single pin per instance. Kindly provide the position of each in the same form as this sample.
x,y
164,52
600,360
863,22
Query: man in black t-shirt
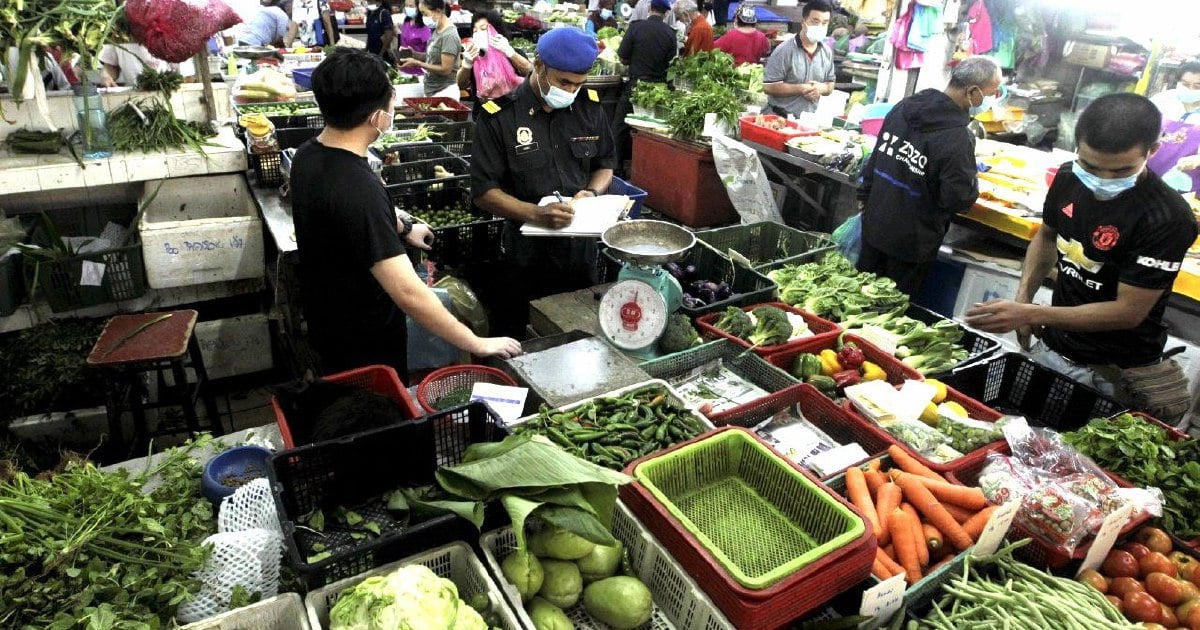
x,y
1118,236
354,272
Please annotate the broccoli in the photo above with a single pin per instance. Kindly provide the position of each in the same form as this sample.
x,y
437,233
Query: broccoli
x,y
772,327
735,322
679,334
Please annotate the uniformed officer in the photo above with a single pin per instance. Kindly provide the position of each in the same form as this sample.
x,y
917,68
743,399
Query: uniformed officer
x,y
549,136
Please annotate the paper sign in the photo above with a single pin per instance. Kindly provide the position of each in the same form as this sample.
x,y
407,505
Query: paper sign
x,y
738,258
92,275
507,402
882,601
1107,536
995,530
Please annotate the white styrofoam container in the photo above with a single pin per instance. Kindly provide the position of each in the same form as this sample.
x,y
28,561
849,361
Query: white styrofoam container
x,y
198,230
235,345
282,612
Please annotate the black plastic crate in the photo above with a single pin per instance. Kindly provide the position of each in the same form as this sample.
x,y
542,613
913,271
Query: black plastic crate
x,y
315,121
478,241
415,152
12,280
417,174
456,137
267,166
1015,384
356,471
979,345
749,286
58,280
768,244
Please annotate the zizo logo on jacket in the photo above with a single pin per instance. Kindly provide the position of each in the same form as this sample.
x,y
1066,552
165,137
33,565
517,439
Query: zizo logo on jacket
x,y
905,153
1155,263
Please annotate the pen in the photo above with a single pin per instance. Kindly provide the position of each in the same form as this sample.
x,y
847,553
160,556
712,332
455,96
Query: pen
x,y
559,197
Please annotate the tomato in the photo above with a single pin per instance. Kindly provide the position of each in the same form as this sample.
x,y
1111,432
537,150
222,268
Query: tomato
x,y
1092,578
1155,562
1124,585
1181,559
1164,588
1169,618
1190,591
1137,550
1183,609
1116,602
1120,564
1192,621
1154,538
1187,570
1142,607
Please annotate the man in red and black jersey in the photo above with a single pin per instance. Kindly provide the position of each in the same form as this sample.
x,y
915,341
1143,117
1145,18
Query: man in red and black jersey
x,y
1118,236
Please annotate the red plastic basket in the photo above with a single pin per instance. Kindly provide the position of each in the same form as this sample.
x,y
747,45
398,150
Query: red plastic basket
x,y
452,109
896,371
776,606
441,382
823,329
975,409
380,379
772,138
818,409
1040,552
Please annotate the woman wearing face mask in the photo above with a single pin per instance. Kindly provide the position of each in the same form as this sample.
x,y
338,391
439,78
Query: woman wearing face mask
x,y
414,35
440,61
602,17
488,39
1177,160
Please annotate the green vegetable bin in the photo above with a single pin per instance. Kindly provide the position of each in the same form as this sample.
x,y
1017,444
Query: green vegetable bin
x,y
477,241
768,244
760,535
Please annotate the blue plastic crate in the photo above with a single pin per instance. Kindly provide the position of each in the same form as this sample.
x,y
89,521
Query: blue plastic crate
x,y
622,187
303,77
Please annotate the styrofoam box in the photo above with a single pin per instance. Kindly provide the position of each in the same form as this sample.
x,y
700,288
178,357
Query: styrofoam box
x,y
236,345
198,230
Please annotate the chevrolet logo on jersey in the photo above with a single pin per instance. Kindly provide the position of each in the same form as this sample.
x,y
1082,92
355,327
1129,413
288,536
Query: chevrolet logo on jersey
x,y
1072,251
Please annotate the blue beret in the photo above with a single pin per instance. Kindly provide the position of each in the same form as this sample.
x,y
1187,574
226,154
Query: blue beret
x,y
660,5
567,48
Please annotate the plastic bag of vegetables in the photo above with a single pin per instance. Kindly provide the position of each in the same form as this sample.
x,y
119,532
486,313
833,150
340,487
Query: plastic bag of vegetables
x,y
411,597
175,30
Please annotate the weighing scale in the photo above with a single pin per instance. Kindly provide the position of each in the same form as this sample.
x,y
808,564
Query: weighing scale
x,y
633,312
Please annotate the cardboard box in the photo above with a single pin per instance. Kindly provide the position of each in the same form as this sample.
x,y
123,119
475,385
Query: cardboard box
x,y
1087,55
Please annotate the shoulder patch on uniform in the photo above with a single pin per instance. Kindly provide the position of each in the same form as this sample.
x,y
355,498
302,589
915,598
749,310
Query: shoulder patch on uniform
x,y
491,107
594,95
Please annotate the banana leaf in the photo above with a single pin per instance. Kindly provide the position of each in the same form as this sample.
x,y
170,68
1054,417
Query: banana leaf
x,y
521,462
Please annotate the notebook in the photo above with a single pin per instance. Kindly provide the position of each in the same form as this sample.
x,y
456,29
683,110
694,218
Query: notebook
x,y
593,215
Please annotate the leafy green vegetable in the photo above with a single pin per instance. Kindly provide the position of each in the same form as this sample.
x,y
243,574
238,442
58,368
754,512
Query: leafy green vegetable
x,y
607,32
686,118
1144,454
736,322
652,96
771,327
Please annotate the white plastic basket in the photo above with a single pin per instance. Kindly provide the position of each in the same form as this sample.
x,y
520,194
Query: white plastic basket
x,y
455,562
282,612
678,602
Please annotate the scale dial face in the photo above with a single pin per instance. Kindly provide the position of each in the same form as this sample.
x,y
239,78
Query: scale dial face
x,y
632,315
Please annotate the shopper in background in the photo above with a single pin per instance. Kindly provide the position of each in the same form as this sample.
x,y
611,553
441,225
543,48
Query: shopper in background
x,y
922,173
270,26
414,35
313,22
699,31
122,64
549,136
381,34
644,9
1119,236
1177,160
720,11
800,71
440,61
601,17
647,48
745,42
487,27
357,282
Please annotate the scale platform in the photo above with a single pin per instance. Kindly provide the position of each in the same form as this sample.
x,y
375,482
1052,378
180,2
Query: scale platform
x,y
579,369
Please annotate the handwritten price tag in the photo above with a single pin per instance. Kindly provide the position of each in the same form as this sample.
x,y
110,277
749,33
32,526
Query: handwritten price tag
x,y
995,530
1107,536
882,601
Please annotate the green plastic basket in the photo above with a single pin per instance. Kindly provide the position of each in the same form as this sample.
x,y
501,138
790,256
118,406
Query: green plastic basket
x,y
768,244
760,518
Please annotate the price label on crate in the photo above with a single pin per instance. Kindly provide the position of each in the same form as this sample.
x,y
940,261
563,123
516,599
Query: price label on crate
x,y
995,530
882,601
1107,536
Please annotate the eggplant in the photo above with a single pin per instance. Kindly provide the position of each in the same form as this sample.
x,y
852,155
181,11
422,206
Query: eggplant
x,y
708,296
691,301
724,291
709,285
695,287
675,270
689,271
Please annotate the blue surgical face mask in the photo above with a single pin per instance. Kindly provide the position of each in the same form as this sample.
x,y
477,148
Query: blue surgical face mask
x,y
410,12
391,123
430,22
558,98
1104,189
989,101
605,14
1187,95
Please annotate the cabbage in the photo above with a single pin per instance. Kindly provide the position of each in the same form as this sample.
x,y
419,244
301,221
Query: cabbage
x,y
410,598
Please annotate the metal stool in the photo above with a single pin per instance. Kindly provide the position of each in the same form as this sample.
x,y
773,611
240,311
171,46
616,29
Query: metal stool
x,y
132,345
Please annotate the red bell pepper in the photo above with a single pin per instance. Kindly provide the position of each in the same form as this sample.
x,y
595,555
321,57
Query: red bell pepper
x,y
846,378
851,357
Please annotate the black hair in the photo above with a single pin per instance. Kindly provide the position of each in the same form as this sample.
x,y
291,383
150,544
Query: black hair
x,y
435,5
815,5
350,85
1119,122
493,18
1189,67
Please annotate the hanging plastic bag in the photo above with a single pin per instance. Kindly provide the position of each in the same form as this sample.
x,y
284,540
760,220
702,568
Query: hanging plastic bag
x,y
175,30
494,73
848,237
745,180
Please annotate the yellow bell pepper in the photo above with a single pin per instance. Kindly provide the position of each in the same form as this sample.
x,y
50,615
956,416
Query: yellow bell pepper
x,y
829,362
930,415
940,394
872,372
956,409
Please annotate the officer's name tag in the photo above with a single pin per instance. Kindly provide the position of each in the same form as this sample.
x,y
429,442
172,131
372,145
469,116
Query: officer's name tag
x,y
522,149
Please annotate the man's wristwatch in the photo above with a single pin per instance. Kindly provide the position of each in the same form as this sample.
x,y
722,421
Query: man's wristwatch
x,y
593,191
407,222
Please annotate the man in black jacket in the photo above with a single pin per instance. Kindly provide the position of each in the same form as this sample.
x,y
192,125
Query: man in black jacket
x,y
921,173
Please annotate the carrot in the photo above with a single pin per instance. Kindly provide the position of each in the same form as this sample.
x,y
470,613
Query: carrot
x,y
874,464
887,499
933,539
880,571
909,464
860,496
900,522
918,533
886,560
962,496
974,526
874,480
962,515
941,563
916,493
